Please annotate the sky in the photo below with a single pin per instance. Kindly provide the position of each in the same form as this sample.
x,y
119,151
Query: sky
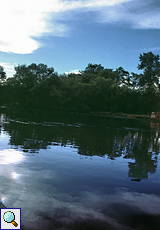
x,y
68,35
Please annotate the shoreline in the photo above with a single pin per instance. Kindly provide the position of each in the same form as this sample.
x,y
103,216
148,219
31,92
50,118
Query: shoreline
x,y
122,115
108,114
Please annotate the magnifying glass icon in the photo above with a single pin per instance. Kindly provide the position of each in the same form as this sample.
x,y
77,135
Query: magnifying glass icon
x,y
9,217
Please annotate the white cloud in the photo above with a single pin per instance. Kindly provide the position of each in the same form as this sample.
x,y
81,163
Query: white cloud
x,y
8,68
76,71
148,21
137,14
21,22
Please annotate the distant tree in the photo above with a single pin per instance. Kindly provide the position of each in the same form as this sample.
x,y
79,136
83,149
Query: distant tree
x,y
41,71
33,74
2,80
47,93
2,75
92,69
93,89
107,73
135,80
123,76
63,76
90,72
150,65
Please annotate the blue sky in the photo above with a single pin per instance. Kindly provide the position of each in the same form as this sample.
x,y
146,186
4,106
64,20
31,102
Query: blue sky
x,y
68,35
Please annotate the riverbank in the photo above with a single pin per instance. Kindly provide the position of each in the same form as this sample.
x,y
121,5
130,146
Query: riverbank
x,y
44,112
121,115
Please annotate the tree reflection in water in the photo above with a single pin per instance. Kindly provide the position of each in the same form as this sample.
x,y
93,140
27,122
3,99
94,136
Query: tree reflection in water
x,y
104,137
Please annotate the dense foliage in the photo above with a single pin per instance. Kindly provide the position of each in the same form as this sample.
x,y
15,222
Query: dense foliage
x,y
93,89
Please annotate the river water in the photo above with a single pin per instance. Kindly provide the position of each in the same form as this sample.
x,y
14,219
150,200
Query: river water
x,y
80,171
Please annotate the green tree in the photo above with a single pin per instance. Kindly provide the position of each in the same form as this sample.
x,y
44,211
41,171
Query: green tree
x,y
2,81
2,75
123,76
33,74
150,65
92,68
47,93
90,72
19,89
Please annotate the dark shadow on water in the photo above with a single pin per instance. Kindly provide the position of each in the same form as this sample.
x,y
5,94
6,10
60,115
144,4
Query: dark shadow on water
x,y
132,217
117,216
129,222
90,225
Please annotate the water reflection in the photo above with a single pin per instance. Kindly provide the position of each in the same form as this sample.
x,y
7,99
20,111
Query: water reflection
x,y
10,156
43,173
130,143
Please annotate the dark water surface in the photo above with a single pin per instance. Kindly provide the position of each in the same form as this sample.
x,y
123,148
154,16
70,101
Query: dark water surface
x,y
80,172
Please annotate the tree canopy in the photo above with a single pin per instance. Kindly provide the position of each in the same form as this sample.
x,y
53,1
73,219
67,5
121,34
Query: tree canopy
x,y
150,65
2,74
94,89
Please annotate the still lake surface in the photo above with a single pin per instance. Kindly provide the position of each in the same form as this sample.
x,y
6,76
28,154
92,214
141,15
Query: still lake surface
x,y
80,171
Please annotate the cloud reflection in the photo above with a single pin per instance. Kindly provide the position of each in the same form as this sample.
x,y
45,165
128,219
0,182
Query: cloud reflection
x,y
68,210
47,203
14,175
44,206
10,156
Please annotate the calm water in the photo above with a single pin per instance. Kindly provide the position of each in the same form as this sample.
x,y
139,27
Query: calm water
x,y
80,172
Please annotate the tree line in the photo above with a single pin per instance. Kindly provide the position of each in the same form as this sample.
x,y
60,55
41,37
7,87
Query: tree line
x,y
94,89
